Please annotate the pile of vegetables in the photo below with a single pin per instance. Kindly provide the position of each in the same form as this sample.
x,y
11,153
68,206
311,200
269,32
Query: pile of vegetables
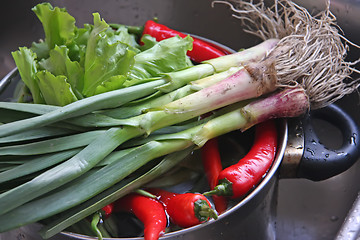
x,y
107,108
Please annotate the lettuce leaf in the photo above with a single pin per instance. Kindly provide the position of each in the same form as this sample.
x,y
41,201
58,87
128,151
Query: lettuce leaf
x,y
41,49
59,25
80,62
165,56
77,48
25,60
122,35
59,63
55,89
112,83
105,57
148,42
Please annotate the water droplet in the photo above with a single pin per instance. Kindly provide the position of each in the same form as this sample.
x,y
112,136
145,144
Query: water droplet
x,y
310,151
353,139
347,8
341,154
334,218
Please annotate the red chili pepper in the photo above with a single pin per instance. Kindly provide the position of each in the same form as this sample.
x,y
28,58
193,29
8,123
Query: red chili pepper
x,y
186,209
212,165
238,179
108,209
148,210
201,50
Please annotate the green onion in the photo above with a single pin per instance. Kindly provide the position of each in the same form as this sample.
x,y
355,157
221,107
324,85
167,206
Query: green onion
x,y
112,194
36,163
66,171
79,191
253,54
35,134
52,145
106,100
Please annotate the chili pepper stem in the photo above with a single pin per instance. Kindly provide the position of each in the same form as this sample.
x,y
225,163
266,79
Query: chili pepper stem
x,y
206,212
95,221
145,193
224,188
137,30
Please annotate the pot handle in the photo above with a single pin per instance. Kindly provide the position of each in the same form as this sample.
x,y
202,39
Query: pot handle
x,y
320,162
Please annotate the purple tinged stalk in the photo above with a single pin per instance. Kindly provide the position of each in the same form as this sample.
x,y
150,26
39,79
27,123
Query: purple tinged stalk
x,y
244,84
252,81
290,102
217,65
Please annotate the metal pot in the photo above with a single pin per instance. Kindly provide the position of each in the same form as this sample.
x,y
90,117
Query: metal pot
x,y
299,154
255,216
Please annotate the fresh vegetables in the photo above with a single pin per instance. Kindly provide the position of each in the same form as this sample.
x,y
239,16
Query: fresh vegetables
x,y
201,50
73,63
110,195
237,180
154,85
108,209
296,103
150,211
94,225
312,53
186,209
121,96
211,160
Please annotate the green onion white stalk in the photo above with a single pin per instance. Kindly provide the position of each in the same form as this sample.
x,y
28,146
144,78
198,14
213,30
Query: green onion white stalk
x,y
221,64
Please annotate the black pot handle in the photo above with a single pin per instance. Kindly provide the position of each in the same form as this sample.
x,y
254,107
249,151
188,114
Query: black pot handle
x,y
318,161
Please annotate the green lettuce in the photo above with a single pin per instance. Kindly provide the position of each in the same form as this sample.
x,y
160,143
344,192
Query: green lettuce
x,y
59,25
72,63
106,58
148,42
25,60
55,89
59,63
165,56
77,48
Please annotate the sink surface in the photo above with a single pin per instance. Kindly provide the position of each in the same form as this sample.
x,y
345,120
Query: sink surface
x,y
306,209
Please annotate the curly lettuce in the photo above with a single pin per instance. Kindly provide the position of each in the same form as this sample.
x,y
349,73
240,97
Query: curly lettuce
x,y
72,63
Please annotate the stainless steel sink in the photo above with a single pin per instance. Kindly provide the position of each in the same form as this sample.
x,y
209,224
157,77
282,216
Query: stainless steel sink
x,y
306,209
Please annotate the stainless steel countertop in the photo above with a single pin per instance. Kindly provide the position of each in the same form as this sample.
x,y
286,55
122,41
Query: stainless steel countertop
x,y
306,209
